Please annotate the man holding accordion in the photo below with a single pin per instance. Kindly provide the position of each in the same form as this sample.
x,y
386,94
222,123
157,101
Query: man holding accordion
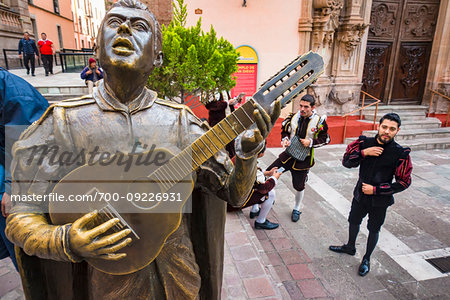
x,y
300,134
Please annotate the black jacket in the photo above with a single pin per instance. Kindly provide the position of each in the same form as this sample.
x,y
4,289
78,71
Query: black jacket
x,y
379,171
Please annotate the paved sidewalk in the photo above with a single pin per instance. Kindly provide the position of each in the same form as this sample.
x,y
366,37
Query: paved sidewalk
x,y
58,79
293,261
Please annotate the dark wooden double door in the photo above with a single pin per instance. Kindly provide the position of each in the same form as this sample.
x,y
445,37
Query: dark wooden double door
x,y
398,49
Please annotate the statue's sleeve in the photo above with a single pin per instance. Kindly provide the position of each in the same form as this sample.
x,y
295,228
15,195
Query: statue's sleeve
x,y
218,175
34,173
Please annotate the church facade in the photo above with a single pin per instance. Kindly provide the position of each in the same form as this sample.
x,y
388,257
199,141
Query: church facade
x,y
395,50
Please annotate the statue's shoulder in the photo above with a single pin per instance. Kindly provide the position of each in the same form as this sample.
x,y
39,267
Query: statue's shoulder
x,y
75,102
182,108
171,104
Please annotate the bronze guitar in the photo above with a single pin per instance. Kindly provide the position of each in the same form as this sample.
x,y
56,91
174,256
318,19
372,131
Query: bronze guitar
x,y
152,222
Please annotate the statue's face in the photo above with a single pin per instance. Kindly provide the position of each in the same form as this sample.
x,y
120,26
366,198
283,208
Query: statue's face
x,y
127,40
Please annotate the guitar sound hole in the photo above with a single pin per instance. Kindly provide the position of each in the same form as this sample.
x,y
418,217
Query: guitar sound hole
x,y
142,193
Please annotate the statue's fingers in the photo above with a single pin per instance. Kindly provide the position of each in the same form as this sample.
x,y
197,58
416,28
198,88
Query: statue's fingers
x,y
264,114
115,247
260,122
112,256
258,136
276,112
110,239
102,228
84,220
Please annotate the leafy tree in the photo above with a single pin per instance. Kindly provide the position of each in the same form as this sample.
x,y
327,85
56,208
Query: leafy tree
x,y
195,62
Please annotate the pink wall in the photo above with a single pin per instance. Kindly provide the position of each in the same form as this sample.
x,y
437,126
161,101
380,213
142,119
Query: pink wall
x,y
46,21
64,6
270,27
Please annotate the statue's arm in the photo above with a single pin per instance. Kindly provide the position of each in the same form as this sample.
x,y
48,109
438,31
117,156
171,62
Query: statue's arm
x,y
28,225
33,233
234,183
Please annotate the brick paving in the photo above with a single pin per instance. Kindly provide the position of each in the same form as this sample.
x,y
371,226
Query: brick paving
x,y
293,262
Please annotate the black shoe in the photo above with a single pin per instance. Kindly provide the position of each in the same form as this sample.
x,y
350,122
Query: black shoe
x,y
51,72
28,72
364,267
343,249
46,74
295,215
33,75
254,214
266,225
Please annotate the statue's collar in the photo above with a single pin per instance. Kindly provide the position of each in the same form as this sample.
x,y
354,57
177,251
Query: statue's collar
x,y
108,102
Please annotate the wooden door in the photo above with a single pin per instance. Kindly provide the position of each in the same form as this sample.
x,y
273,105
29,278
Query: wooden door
x,y
398,49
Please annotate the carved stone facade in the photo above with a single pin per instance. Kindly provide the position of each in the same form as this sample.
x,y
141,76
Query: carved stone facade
x,y
387,47
337,31
14,20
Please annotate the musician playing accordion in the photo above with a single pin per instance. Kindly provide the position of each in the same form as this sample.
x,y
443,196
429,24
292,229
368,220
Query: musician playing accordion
x,y
300,134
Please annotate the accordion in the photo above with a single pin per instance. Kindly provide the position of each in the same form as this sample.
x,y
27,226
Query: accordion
x,y
296,149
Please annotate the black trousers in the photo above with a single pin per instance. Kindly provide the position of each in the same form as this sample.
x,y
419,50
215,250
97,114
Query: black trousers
x,y
29,59
47,61
364,207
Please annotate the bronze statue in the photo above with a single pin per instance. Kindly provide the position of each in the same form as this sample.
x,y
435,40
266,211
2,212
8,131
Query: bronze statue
x,y
121,111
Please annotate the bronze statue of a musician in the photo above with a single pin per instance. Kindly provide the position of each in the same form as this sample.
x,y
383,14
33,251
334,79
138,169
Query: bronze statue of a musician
x,y
188,263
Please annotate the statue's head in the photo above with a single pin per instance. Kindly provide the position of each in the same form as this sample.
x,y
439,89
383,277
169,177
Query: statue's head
x,y
129,38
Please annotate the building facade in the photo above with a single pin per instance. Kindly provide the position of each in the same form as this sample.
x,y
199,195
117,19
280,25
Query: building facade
x,y
393,49
87,17
14,21
54,17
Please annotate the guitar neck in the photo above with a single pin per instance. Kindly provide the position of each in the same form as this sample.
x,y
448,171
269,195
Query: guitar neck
x,y
203,148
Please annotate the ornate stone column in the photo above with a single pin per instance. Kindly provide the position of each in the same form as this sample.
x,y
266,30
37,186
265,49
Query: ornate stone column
x,y
347,57
439,68
339,34
305,26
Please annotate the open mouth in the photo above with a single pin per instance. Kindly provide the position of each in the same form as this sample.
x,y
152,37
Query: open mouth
x,y
123,46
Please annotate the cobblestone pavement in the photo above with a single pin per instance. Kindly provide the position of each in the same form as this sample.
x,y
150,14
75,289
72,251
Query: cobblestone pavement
x,y
417,227
293,261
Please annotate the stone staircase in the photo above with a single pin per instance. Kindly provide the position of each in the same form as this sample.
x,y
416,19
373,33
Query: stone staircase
x,y
58,93
417,131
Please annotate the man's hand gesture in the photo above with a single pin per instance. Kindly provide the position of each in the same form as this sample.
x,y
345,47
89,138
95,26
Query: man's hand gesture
x,y
367,189
372,151
6,205
305,142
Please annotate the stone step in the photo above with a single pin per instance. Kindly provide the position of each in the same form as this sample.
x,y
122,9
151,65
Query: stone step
x,y
68,90
404,116
418,144
414,124
427,144
420,133
52,98
384,109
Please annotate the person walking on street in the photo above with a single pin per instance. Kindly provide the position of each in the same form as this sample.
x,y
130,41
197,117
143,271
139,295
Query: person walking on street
x,y
91,74
305,130
380,159
47,50
29,49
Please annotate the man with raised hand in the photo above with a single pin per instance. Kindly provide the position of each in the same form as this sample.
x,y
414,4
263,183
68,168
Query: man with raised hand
x,y
380,160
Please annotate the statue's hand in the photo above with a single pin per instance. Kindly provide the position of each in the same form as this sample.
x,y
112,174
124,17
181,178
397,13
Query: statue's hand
x,y
86,243
265,122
